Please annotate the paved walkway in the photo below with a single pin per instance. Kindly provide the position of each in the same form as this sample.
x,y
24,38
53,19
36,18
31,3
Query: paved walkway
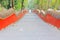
x,y
30,27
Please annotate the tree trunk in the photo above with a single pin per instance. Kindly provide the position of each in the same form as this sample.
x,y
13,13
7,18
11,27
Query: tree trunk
x,y
12,3
22,4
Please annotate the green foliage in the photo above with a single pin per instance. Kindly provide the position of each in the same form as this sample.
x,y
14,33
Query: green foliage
x,y
25,3
33,4
4,3
54,4
20,4
17,4
41,4
57,5
45,4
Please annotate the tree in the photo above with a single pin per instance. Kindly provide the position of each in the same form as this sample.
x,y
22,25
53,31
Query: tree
x,y
17,4
22,7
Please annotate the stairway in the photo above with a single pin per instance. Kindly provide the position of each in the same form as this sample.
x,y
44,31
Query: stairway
x,y
30,27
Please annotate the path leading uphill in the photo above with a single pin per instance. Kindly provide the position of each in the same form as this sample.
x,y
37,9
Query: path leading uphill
x,y
30,27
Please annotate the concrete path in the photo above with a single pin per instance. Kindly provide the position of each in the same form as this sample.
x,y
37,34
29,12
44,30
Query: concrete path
x,y
30,27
